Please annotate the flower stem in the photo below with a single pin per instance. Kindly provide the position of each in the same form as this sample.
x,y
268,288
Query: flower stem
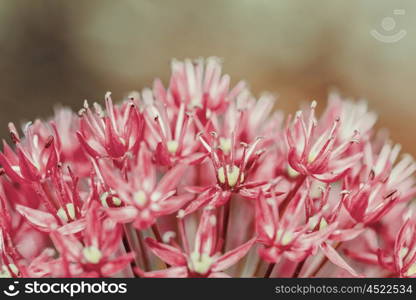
x,y
158,237
157,234
135,244
143,252
130,244
299,268
269,270
226,220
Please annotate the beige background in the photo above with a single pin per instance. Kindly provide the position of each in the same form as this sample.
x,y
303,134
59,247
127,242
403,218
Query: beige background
x,y
66,51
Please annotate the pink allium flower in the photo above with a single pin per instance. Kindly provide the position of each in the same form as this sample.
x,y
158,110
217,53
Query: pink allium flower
x,y
144,198
316,150
205,259
93,254
403,261
169,133
115,132
198,84
201,179
35,156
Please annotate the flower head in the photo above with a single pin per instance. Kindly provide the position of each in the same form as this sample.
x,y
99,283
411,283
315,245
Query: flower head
x,y
202,179
141,198
115,132
204,261
318,153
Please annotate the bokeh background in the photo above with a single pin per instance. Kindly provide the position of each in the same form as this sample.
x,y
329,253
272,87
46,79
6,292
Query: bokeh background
x,y
67,51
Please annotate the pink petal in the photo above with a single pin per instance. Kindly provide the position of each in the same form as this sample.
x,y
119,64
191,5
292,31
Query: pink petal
x,y
10,154
162,155
10,171
73,227
124,214
366,257
27,168
159,91
171,179
146,167
117,264
200,201
375,216
329,176
336,259
265,223
86,146
206,238
346,234
232,257
221,198
114,146
168,254
194,159
173,204
175,272
42,220
53,157
196,189
67,245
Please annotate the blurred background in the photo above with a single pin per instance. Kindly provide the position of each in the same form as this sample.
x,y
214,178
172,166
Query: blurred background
x,y
67,51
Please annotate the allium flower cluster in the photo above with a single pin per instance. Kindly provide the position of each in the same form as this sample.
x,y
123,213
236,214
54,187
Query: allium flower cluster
x,y
201,179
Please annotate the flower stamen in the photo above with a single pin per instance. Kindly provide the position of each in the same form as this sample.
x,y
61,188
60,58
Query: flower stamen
x,y
232,175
